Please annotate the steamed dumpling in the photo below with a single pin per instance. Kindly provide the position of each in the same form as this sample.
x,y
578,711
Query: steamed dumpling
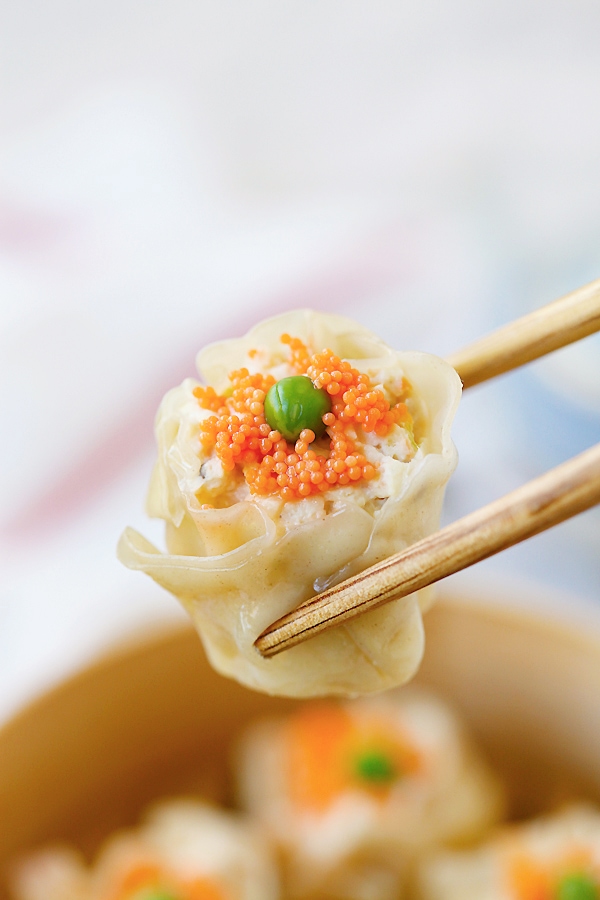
x,y
552,858
354,792
58,872
257,523
185,850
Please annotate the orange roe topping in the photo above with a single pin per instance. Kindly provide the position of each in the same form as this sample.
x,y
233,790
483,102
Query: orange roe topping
x,y
299,355
529,880
203,889
150,877
138,877
532,879
323,744
241,437
314,738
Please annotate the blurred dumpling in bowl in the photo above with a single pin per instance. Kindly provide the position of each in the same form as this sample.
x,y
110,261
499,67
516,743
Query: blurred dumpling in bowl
x,y
185,850
353,792
556,857
58,872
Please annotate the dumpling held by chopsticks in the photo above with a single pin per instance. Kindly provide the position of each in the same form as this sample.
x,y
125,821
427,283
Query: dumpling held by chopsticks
x,y
310,451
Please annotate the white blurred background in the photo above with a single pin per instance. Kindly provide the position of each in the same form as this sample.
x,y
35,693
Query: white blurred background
x,y
171,171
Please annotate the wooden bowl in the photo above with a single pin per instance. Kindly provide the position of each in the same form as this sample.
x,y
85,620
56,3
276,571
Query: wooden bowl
x,y
153,719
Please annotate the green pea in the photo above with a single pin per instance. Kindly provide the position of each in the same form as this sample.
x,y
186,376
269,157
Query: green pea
x,y
577,886
294,404
375,767
154,893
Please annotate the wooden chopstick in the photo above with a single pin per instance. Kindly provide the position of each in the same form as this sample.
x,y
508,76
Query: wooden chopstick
x,y
561,493
562,322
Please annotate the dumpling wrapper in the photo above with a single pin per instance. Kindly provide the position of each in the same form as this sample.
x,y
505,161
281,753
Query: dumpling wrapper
x,y
184,838
559,843
358,837
238,569
191,839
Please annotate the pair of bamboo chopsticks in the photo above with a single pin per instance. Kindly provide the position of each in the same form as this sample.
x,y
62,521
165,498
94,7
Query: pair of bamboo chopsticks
x,y
561,493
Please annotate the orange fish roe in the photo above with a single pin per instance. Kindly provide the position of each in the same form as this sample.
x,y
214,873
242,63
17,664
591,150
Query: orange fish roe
x,y
138,877
203,889
323,742
315,776
299,355
536,880
152,877
241,436
528,880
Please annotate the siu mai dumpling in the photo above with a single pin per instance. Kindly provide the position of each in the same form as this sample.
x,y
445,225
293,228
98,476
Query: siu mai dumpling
x,y
185,850
552,858
57,872
353,792
311,451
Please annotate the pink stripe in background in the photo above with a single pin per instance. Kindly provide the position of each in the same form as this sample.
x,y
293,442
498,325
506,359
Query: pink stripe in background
x,y
370,270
